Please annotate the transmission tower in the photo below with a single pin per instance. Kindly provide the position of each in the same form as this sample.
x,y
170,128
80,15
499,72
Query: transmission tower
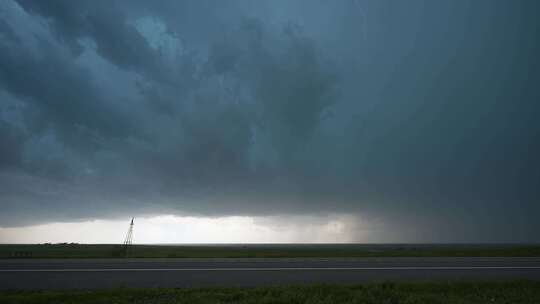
x,y
129,236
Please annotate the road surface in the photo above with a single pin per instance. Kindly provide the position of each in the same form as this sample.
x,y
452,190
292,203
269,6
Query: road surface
x,y
110,273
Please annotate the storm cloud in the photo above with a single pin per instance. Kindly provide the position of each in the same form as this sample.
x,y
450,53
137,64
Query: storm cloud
x,y
420,114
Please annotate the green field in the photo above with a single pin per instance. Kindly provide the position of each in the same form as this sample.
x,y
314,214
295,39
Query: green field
x,y
456,292
267,251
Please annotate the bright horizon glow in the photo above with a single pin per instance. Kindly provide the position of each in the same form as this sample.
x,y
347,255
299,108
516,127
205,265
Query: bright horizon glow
x,y
169,229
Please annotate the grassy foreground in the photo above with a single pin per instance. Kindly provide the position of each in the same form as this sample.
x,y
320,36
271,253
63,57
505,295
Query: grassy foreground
x,y
267,251
456,292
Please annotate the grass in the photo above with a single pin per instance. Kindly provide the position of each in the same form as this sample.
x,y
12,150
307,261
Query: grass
x,y
450,292
266,251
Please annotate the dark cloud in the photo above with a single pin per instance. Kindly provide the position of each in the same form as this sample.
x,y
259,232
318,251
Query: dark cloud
x,y
105,24
11,145
420,113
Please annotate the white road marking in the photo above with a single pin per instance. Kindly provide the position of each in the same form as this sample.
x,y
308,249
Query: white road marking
x,y
276,269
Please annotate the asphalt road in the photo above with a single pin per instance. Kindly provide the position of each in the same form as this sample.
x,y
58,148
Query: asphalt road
x,y
109,273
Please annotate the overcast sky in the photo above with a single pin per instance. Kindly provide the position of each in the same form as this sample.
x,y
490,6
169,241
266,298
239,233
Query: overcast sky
x,y
419,116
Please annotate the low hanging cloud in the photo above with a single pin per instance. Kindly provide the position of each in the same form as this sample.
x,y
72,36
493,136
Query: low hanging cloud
x,y
418,114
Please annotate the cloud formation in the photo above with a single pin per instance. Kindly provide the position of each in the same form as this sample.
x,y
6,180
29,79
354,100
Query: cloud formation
x,y
422,114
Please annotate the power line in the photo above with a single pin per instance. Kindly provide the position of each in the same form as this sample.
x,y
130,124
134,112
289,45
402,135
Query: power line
x,y
129,237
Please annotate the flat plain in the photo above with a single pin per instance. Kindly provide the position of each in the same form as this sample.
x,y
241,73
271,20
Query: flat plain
x,y
268,250
270,273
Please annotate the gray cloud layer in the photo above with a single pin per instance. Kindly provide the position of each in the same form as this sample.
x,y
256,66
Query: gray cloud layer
x,y
423,113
